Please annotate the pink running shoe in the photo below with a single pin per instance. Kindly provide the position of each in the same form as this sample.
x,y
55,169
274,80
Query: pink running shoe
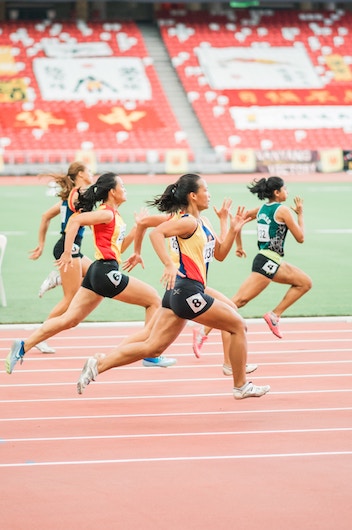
x,y
198,340
273,322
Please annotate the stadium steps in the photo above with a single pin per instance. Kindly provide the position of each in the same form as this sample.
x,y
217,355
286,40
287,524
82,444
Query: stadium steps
x,y
174,89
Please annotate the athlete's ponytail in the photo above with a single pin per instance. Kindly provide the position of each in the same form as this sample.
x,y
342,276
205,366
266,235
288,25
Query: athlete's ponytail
x,y
96,193
175,196
265,188
67,181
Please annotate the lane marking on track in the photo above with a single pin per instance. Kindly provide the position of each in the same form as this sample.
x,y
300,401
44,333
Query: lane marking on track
x,y
175,435
177,459
178,367
171,381
171,396
178,414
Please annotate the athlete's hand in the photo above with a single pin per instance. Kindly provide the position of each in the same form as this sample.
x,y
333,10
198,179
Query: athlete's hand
x,y
298,207
141,215
240,252
64,261
36,252
224,211
169,276
239,219
132,261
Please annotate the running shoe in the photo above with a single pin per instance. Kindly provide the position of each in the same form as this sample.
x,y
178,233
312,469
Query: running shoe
x,y
52,281
199,338
89,373
227,370
250,390
16,354
273,322
44,347
163,362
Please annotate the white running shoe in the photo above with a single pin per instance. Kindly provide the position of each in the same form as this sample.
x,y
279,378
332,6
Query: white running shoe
x,y
44,347
163,362
227,370
89,373
199,337
250,390
50,282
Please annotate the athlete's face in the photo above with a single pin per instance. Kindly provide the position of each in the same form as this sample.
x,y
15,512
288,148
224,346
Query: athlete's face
x,y
87,176
203,195
282,194
120,193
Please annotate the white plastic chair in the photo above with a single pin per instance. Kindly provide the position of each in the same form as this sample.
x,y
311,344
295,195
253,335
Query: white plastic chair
x,y
3,243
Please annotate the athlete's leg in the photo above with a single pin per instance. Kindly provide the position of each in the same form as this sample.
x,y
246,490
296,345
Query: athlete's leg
x,y
201,333
300,283
86,263
250,288
71,281
221,316
81,306
233,323
142,294
167,326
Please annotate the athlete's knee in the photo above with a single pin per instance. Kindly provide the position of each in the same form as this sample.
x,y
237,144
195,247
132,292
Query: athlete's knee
x,y
70,321
239,325
306,284
239,301
309,283
154,301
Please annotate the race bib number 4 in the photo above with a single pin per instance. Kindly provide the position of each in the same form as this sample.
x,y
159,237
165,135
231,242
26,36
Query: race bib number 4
x,y
196,302
270,267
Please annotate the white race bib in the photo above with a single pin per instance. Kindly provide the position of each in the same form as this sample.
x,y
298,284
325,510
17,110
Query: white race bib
x,y
196,302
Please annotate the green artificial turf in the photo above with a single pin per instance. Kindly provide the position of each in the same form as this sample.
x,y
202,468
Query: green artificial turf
x,y
325,254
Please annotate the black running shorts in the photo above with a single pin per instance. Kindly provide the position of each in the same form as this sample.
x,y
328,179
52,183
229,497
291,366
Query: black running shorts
x,y
187,299
76,248
104,278
265,266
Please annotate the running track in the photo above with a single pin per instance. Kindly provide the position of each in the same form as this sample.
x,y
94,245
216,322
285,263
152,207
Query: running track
x,y
170,449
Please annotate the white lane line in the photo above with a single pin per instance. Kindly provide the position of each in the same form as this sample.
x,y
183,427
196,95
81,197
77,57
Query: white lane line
x,y
175,435
176,459
280,352
170,381
178,414
180,367
172,396
212,343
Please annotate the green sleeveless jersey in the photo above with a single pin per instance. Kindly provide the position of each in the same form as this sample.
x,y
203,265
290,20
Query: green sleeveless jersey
x,y
271,234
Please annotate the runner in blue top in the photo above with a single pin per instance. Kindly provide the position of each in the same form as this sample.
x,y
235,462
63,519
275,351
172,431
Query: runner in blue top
x,y
274,221
78,176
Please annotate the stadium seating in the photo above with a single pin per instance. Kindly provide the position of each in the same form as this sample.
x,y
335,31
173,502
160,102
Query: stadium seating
x,y
50,108
233,114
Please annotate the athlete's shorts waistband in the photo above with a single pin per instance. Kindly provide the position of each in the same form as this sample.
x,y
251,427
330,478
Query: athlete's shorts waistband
x,y
270,254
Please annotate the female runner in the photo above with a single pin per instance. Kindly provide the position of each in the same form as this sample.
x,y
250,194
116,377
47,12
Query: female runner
x,y
185,298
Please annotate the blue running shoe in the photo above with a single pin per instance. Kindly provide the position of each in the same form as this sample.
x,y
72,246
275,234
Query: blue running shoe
x,y
162,362
16,354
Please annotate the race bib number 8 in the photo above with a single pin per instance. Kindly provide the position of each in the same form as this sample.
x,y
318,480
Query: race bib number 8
x,y
196,302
